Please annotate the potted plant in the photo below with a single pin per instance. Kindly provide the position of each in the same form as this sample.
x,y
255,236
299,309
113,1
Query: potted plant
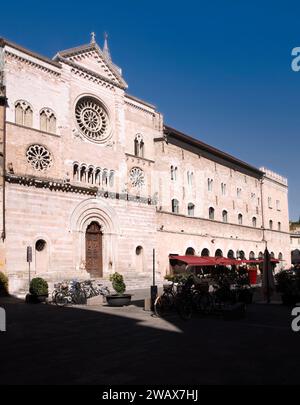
x,y
120,298
3,285
38,291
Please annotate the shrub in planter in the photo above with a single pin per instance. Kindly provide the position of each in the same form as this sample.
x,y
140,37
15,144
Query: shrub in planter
x,y
120,298
38,290
3,285
118,283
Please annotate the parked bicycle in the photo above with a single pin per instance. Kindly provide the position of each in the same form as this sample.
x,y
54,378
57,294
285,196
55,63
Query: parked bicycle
x,y
74,292
93,290
69,293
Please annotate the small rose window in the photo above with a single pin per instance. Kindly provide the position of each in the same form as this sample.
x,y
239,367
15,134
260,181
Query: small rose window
x,y
39,157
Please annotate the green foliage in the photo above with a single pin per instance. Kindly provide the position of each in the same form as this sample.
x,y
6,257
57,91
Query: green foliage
x,y
178,277
38,286
3,284
118,283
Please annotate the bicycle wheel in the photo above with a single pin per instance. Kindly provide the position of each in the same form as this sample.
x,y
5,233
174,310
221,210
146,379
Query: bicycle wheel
x,y
60,299
162,305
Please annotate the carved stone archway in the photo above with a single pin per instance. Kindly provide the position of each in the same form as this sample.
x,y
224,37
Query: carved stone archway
x,y
87,212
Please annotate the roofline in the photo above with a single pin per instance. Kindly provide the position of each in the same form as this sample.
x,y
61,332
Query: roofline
x,y
134,98
4,41
92,47
171,132
90,72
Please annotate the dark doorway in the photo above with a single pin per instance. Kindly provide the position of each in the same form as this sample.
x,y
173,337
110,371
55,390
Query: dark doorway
x,y
93,250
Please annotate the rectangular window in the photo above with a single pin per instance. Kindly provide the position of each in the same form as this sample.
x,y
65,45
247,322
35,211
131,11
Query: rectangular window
x,y
278,205
269,202
223,188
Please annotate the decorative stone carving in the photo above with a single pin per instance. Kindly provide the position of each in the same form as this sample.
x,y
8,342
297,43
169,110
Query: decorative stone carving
x,y
39,157
137,177
92,119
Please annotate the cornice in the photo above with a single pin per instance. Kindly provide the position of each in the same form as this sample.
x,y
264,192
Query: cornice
x,y
58,185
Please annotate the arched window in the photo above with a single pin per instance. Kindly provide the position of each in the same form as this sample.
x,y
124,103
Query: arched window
x,y
47,121
251,255
139,145
241,254
225,216
254,222
279,226
190,251
205,252
175,206
240,219
219,253
272,255
280,256
75,171
211,213
83,173
210,184
271,224
260,255
90,178
111,178
230,254
23,113
98,176
191,209
104,178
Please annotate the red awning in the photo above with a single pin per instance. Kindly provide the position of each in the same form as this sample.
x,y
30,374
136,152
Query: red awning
x,y
205,260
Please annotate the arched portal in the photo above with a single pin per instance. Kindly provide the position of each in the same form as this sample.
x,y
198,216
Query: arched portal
x,y
190,251
93,250
205,252
230,254
219,253
93,210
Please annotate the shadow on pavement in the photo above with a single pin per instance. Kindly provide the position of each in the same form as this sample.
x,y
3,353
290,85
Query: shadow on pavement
x,y
45,344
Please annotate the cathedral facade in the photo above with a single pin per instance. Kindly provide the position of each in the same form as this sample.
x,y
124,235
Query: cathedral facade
x,y
93,181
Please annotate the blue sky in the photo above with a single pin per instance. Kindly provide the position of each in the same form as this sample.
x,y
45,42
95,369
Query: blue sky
x,y
218,70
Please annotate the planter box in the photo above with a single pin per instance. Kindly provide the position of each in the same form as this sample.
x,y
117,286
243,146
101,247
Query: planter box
x,y
35,299
117,300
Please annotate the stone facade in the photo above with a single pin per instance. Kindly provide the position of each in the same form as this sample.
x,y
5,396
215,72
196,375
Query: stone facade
x,y
78,150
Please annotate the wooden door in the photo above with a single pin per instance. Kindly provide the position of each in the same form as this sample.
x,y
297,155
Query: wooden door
x,y
93,249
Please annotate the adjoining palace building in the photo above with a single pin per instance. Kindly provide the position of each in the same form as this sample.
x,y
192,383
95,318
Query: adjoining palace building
x,y
93,180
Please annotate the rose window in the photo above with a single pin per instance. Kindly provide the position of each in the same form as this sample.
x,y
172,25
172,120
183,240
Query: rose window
x,y
39,157
92,119
137,177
